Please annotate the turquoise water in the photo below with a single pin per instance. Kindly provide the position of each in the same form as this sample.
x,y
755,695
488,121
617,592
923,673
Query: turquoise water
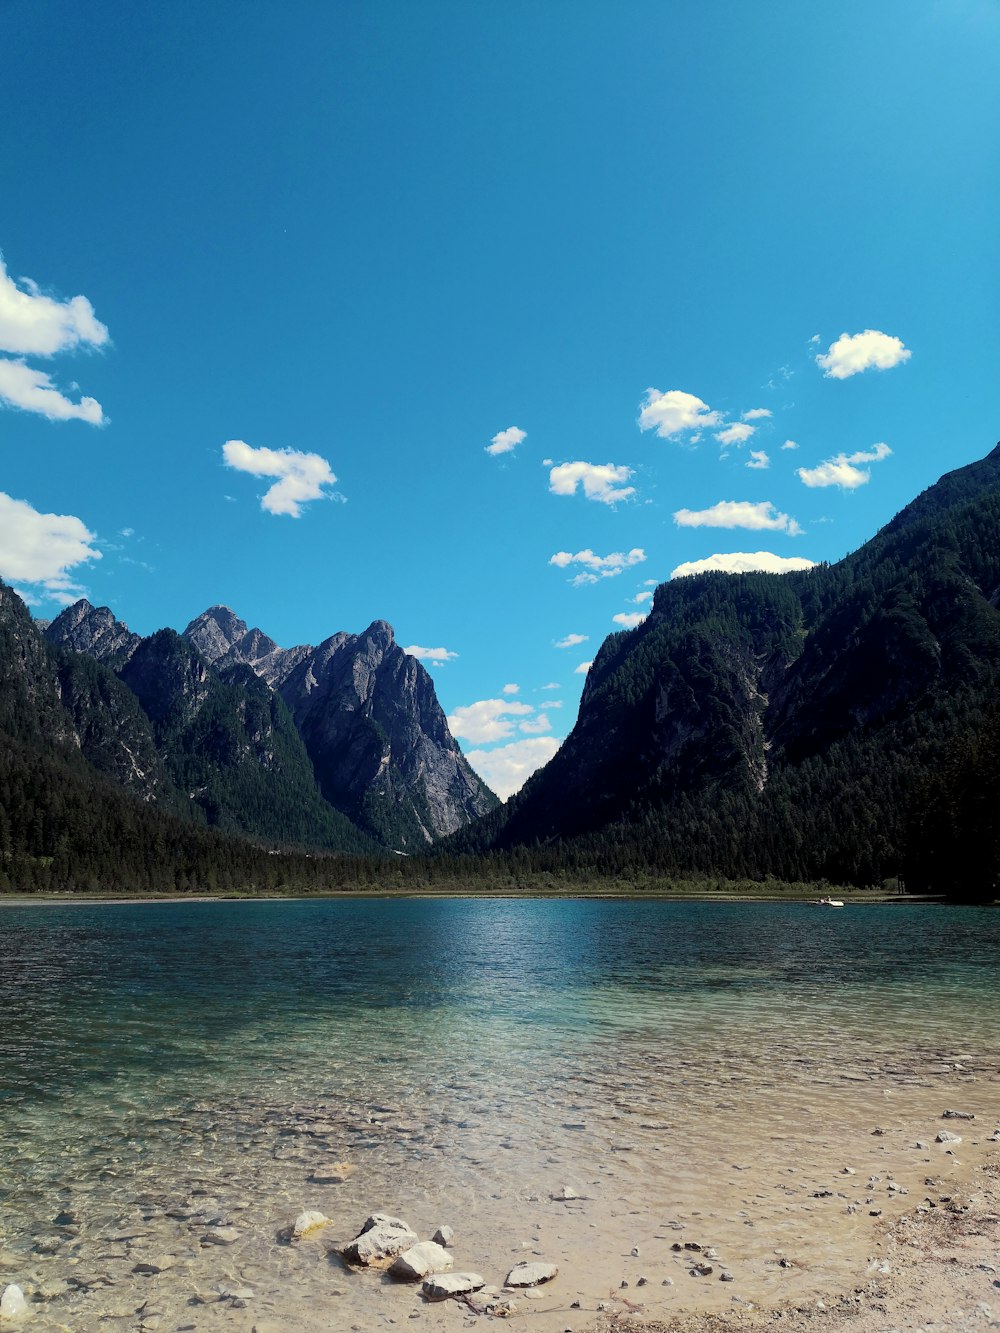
x,y
147,1048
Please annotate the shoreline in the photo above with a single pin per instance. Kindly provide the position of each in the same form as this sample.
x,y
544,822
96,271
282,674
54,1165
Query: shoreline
x,y
850,897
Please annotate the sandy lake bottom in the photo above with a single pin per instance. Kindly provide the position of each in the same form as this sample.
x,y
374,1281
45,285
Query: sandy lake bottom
x,y
181,1081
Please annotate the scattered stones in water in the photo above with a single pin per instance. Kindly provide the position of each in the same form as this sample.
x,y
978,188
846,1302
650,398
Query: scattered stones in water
x,y
530,1275
382,1237
221,1236
310,1221
421,1260
150,1267
439,1286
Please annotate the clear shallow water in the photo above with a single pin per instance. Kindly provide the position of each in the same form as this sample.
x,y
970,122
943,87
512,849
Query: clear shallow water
x,y
454,1049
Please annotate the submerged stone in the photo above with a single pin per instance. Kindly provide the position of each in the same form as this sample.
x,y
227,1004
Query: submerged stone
x,y
12,1303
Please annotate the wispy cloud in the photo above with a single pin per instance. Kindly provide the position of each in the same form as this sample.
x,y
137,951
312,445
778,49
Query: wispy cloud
x,y
598,566
641,598
506,769
629,619
41,549
743,562
300,477
571,640
506,440
738,433
739,514
757,414
674,413
436,656
535,726
31,390
842,470
854,352
599,481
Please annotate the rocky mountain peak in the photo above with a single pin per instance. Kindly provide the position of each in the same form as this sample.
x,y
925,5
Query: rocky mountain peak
x,y
93,630
215,631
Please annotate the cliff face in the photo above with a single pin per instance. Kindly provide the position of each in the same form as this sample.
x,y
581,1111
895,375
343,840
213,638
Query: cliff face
x,y
371,723
379,741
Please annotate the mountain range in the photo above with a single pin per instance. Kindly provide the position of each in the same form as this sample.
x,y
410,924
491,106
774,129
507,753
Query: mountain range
x,y
837,723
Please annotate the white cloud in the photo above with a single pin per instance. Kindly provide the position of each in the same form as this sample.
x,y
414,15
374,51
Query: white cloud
x,y
511,689
738,433
842,469
642,597
582,669
789,444
487,719
571,640
33,391
301,477
650,583
506,440
41,549
855,352
535,726
552,685
598,566
599,481
743,562
738,514
39,325
674,412
814,340
436,656
757,414
506,769
758,459
629,619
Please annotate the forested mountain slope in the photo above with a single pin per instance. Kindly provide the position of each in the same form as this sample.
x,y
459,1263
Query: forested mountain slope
x,y
784,725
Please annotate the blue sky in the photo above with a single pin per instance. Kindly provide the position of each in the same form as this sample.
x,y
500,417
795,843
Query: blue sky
x,y
364,242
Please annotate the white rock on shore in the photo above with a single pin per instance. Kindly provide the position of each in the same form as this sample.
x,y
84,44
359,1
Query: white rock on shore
x,y
382,1237
420,1260
440,1285
530,1275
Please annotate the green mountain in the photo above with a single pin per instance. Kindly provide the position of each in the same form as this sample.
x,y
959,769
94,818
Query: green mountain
x,y
785,725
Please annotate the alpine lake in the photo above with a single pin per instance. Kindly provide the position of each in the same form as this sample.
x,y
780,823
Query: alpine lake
x,y
603,1085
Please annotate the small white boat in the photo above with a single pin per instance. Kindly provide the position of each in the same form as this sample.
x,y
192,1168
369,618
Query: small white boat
x,y
826,902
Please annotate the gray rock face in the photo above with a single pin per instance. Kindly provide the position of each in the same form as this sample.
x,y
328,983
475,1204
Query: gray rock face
x,y
95,631
225,640
372,726
379,740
